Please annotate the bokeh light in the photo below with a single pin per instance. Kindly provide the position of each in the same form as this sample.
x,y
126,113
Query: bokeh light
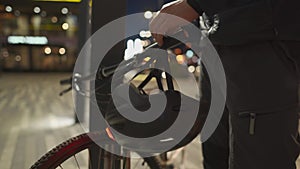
x,y
54,19
18,58
47,50
189,53
62,51
8,8
36,9
148,15
191,69
64,10
180,59
65,26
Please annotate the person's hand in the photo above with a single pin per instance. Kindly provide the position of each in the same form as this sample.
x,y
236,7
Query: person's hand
x,y
161,24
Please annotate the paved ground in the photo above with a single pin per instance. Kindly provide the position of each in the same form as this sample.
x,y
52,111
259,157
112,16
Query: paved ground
x,y
33,119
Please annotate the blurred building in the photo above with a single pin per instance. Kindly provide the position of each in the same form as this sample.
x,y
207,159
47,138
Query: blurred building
x,y
38,35
46,35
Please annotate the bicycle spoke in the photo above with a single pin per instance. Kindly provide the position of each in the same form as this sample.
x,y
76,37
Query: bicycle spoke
x,y
76,161
74,151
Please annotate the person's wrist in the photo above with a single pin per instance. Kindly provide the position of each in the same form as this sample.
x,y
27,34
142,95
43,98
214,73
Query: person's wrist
x,y
190,13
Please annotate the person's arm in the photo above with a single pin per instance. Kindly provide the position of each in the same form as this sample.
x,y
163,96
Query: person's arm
x,y
163,24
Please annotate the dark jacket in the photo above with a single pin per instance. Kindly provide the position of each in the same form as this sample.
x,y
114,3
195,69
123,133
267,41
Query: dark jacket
x,y
242,21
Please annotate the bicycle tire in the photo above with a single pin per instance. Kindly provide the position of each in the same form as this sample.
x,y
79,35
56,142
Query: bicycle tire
x,y
55,157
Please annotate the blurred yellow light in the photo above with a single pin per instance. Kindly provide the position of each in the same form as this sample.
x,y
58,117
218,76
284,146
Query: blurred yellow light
x,y
65,26
147,59
180,59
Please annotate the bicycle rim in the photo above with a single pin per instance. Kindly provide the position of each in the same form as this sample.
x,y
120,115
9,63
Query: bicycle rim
x,y
75,153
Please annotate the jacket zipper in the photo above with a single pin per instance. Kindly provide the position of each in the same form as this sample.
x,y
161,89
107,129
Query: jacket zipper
x,y
252,118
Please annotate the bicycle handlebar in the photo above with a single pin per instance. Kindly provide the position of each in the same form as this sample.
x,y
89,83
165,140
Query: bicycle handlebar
x,y
169,42
66,81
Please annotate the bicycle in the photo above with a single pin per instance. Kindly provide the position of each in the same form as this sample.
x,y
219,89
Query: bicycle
x,y
85,143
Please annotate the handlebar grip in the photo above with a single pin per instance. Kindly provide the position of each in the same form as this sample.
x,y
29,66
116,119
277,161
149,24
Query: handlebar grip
x,y
169,41
66,81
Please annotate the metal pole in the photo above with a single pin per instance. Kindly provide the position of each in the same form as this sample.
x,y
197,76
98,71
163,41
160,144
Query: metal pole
x,y
103,12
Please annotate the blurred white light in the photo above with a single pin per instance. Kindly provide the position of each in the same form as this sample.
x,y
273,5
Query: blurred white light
x,y
47,50
36,9
62,51
43,13
133,48
17,13
18,58
148,34
31,40
64,10
138,47
129,53
65,26
54,19
142,33
145,34
8,8
148,14
5,54
191,69
189,53
163,75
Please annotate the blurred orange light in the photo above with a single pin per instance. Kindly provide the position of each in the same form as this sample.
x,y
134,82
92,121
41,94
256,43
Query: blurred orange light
x,y
54,19
177,51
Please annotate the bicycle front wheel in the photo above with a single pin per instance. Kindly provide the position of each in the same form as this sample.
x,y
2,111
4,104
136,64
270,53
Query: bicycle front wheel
x,y
76,152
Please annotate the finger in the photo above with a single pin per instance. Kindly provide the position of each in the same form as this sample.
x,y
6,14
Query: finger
x,y
159,39
156,25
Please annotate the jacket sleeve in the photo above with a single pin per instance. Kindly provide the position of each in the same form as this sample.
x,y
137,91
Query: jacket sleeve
x,y
210,7
195,4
